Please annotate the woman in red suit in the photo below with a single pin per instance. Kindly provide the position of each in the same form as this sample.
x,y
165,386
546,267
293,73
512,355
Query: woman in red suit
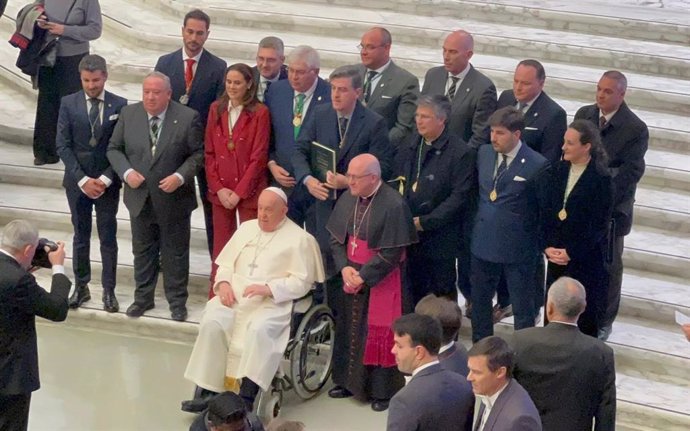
x,y
236,149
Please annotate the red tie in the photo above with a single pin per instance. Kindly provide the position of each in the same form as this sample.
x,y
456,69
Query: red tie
x,y
189,73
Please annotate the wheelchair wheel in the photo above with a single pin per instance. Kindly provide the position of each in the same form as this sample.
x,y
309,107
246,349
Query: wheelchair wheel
x,y
311,358
267,405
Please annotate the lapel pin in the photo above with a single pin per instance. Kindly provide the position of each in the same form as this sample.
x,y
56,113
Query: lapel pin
x,y
522,161
438,152
467,89
381,85
174,121
109,105
536,113
319,98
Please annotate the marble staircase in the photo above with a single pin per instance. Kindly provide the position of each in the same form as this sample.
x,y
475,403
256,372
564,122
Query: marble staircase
x,y
576,42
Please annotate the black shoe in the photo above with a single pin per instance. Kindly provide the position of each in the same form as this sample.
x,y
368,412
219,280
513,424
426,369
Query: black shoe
x,y
110,303
200,401
80,295
136,310
339,392
38,161
499,313
179,314
380,405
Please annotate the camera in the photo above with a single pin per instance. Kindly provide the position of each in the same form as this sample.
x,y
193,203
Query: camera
x,y
40,259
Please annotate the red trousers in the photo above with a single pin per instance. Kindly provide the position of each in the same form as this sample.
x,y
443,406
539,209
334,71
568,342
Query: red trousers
x,y
224,226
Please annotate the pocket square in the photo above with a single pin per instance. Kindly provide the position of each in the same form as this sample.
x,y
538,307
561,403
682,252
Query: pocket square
x,y
531,128
113,117
518,178
383,96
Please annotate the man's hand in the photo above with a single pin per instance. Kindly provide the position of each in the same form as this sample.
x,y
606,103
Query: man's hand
x,y
57,257
257,290
417,224
93,188
225,293
170,183
317,189
281,175
557,255
335,181
134,179
352,282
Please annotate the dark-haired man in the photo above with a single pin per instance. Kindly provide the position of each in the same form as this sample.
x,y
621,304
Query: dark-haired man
x,y
197,78
434,398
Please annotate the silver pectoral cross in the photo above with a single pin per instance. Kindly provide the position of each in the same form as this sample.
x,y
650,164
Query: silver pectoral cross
x,y
252,266
354,246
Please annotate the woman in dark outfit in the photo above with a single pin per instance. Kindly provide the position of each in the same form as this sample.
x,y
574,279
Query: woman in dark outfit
x,y
75,22
579,202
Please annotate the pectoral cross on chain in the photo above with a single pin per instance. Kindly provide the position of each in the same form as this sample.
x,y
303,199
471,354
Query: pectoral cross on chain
x,y
252,266
354,245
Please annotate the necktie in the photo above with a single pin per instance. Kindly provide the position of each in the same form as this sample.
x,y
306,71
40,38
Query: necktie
x,y
94,116
602,122
189,73
480,415
522,106
154,134
299,107
502,167
367,85
342,126
268,85
453,88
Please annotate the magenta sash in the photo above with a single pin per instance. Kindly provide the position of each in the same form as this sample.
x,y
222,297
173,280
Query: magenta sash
x,y
385,305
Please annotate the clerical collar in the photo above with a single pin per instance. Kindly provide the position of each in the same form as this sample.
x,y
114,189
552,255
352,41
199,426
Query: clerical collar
x,y
374,192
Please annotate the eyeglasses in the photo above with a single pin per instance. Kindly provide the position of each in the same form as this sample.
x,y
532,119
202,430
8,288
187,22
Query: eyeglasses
x,y
353,178
361,47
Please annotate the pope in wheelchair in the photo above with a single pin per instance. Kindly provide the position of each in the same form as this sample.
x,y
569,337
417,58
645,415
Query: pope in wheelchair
x,y
245,329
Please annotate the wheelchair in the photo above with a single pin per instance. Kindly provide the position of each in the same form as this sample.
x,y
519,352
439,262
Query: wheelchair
x,y
308,358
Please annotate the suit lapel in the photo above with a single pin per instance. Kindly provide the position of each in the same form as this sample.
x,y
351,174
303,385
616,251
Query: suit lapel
x,y
532,114
353,130
169,127
465,89
386,78
497,407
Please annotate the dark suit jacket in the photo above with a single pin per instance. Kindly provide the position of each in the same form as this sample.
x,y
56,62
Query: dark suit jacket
x,y
512,411
508,229
280,101
570,376
473,104
545,124
367,133
21,300
74,133
394,98
455,359
625,139
208,83
180,149
435,399
445,189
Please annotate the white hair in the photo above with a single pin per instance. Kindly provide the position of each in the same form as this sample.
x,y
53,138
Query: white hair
x,y
17,234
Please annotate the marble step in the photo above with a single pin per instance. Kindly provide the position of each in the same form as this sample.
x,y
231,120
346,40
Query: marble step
x,y
656,93
653,296
655,250
490,38
659,21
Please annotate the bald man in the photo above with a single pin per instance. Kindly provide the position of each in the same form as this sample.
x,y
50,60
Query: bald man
x,y
472,94
370,228
552,363
268,263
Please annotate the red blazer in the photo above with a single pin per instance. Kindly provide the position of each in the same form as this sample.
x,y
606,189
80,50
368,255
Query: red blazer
x,y
244,169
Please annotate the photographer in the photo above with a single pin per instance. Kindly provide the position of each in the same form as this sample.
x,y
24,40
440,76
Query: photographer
x,y
21,299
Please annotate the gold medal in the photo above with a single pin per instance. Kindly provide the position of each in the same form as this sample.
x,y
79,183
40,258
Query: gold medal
x,y
93,142
414,186
184,99
297,121
562,214
231,144
493,195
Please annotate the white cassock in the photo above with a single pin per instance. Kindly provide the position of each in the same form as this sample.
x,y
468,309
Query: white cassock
x,y
250,338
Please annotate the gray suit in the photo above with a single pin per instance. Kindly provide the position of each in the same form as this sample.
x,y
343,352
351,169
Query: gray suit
x,y
474,102
435,399
394,98
512,411
160,221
